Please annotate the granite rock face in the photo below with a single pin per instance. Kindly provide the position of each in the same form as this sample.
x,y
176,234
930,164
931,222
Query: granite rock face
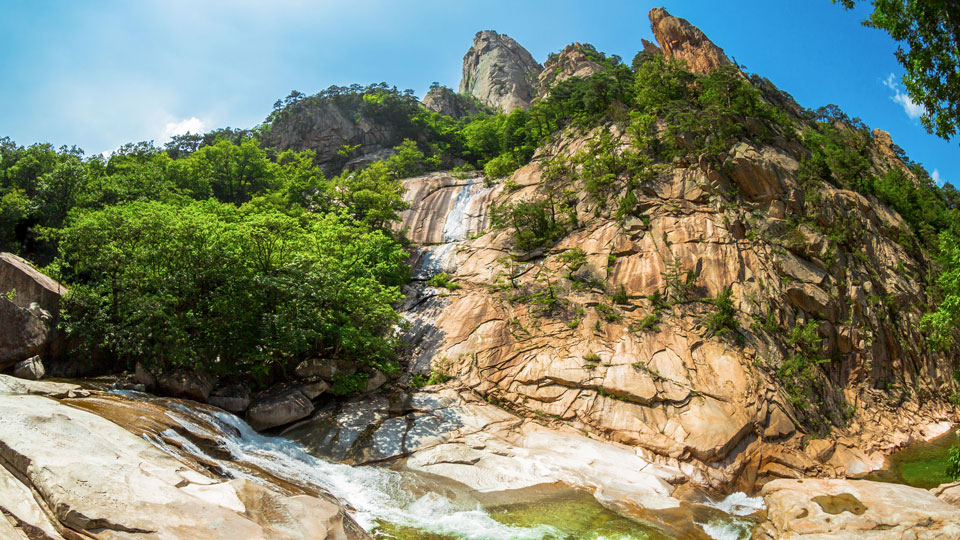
x,y
499,72
668,387
680,40
445,101
576,60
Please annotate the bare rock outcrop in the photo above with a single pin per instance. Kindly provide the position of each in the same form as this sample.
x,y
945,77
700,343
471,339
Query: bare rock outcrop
x,y
322,126
445,101
656,378
680,40
68,473
29,308
576,60
499,72
854,509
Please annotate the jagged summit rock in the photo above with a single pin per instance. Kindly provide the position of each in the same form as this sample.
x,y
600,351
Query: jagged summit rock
x,y
681,40
443,100
576,60
499,72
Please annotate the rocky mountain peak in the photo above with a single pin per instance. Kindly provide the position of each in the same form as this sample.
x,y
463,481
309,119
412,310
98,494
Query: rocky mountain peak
x,y
576,60
681,40
499,72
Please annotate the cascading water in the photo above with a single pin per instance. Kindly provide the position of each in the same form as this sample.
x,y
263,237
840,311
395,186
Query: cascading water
x,y
397,504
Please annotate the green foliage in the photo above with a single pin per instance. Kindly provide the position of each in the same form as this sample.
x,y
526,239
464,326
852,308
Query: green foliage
x,y
592,358
501,166
442,280
931,32
953,463
348,384
702,113
574,258
649,322
535,224
799,370
941,324
724,318
608,313
620,296
229,290
679,283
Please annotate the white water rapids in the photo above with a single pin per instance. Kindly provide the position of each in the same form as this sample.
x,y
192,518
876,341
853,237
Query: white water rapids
x,y
374,496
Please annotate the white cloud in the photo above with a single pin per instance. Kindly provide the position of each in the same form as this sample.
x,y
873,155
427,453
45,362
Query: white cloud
x,y
189,125
912,109
936,177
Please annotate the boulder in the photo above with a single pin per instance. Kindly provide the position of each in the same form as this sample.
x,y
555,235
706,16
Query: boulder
x,y
234,398
29,308
26,285
376,380
186,384
324,368
144,376
24,332
949,493
812,299
278,408
854,509
31,368
22,387
680,40
70,474
499,72
315,389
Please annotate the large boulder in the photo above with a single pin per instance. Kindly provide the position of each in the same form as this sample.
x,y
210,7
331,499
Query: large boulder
x,y
29,308
186,384
31,368
29,285
232,397
278,407
854,509
25,332
70,473
499,72
680,40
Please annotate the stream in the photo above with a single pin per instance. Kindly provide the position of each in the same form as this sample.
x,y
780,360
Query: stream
x,y
392,502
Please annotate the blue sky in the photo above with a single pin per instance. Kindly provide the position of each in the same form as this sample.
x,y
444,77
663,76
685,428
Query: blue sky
x,y
99,73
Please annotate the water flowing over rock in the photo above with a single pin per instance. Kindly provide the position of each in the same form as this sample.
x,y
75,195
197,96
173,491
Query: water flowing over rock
x,y
680,40
499,72
68,473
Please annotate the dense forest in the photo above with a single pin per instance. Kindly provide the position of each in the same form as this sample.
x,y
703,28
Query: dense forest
x,y
220,254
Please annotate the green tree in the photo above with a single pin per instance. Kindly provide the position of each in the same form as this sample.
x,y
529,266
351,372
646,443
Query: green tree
x,y
928,32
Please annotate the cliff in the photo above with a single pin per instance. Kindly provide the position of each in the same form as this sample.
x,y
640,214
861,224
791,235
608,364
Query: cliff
x,y
499,72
